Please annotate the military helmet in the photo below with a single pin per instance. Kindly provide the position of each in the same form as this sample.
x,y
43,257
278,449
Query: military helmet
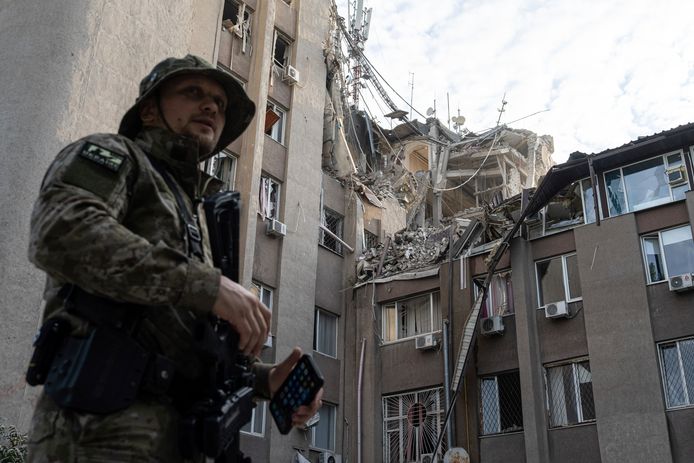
x,y
239,111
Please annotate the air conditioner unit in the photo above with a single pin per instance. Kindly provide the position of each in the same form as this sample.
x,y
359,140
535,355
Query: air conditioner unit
x,y
291,75
492,325
557,310
427,458
676,176
329,457
428,341
276,228
681,282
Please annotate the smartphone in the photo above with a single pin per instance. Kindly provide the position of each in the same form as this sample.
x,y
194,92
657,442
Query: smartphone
x,y
300,388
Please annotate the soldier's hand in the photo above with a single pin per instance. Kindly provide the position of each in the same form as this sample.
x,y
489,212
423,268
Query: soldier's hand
x,y
244,311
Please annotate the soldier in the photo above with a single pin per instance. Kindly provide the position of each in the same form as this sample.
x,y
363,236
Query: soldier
x,y
116,223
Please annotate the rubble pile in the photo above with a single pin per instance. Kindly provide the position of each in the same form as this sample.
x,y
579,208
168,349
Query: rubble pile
x,y
395,183
408,250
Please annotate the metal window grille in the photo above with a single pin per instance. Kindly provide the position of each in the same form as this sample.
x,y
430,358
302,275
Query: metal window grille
x,y
333,222
500,398
412,423
570,394
370,240
677,362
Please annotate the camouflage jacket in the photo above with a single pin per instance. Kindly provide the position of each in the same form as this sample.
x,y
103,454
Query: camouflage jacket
x,y
106,221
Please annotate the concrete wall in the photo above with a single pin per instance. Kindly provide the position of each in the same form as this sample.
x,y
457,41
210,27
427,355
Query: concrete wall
x,y
72,67
509,448
575,444
629,406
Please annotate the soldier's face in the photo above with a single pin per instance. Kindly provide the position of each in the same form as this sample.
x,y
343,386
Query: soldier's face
x,y
193,106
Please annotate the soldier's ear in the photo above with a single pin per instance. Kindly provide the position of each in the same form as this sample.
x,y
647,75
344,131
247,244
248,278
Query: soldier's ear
x,y
149,113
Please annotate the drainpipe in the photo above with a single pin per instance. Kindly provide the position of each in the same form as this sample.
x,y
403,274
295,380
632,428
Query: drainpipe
x,y
359,398
450,430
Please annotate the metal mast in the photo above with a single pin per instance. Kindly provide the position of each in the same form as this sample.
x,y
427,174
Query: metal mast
x,y
359,22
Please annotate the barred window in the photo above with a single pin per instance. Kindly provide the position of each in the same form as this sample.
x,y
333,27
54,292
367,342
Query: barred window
x,y
412,423
333,222
501,404
570,394
370,239
677,363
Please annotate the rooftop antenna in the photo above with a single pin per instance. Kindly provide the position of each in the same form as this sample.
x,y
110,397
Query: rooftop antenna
x,y
359,22
502,109
411,92
448,101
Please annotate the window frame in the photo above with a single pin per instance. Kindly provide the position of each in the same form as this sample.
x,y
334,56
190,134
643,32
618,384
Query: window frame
x,y
287,50
332,438
210,166
278,129
396,303
629,207
509,297
340,219
664,383
278,199
576,384
316,329
261,405
658,235
495,377
565,280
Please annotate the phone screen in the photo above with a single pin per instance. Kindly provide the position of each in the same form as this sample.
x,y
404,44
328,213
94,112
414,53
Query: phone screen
x,y
300,388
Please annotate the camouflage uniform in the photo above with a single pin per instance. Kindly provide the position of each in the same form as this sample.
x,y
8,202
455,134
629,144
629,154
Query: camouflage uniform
x,y
106,221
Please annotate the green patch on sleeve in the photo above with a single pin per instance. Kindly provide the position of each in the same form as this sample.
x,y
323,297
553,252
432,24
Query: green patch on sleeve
x,y
96,169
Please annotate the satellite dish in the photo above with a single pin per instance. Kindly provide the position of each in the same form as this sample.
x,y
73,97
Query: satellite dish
x,y
431,111
458,120
456,455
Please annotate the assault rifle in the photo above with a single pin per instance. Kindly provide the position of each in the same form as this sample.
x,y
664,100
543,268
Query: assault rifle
x,y
212,425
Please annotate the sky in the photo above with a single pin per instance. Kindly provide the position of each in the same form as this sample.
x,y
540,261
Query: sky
x,y
603,72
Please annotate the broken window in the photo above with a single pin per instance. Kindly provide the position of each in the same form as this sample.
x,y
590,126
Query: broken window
x,y
256,426
411,317
570,394
412,423
558,280
677,368
370,240
645,184
236,18
325,333
274,122
333,222
281,50
572,206
668,253
269,198
223,167
501,409
499,298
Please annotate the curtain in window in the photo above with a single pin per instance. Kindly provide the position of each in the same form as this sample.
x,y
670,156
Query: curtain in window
x,y
324,431
326,333
389,323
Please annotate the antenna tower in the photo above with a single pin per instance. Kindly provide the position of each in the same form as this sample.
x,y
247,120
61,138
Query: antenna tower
x,y
359,22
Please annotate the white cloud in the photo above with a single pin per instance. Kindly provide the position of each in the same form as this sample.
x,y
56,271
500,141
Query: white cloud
x,y
607,71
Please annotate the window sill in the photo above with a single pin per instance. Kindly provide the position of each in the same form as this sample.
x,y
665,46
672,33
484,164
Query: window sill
x,y
681,407
252,434
324,355
397,341
501,434
569,426
331,250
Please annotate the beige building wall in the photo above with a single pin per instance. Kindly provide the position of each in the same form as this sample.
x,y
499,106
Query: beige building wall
x,y
70,68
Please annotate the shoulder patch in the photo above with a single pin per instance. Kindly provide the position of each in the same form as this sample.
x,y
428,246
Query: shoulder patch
x,y
108,159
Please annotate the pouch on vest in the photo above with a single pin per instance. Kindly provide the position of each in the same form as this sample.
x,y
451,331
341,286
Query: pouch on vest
x,y
100,373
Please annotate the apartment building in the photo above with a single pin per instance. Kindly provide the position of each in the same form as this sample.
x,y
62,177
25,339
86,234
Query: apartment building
x,y
583,346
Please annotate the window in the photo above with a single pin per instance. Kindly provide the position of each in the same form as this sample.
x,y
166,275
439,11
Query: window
x,y
333,222
281,51
236,18
500,397
668,253
644,184
412,423
265,295
323,433
677,364
570,394
572,206
499,299
274,122
370,240
269,198
411,317
325,334
223,167
558,280
256,427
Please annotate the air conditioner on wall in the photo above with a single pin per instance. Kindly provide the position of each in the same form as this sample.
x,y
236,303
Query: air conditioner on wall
x,y
676,176
556,310
492,325
276,228
291,75
428,341
681,282
329,457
